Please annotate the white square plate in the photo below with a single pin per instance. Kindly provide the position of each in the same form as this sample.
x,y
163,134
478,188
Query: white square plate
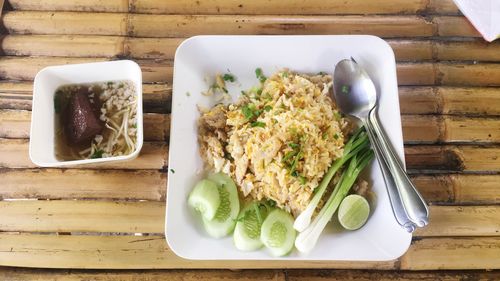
x,y
201,56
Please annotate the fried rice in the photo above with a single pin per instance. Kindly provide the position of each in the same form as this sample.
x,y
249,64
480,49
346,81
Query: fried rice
x,y
278,140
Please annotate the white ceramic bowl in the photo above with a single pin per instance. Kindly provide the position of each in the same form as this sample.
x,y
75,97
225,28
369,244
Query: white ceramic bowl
x,y
41,148
381,238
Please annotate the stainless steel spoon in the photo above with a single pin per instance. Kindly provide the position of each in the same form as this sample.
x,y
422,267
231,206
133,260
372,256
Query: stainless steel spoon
x,y
355,95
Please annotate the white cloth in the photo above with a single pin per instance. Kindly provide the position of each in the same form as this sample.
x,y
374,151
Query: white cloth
x,y
484,16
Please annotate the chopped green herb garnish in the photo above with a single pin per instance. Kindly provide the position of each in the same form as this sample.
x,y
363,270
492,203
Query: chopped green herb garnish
x,y
97,154
336,136
121,85
251,113
284,74
321,73
289,155
229,77
325,135
293,145
258,124
293,168
172,170
109,83
302,179
345,89
248,111
260,75
268,108
337,115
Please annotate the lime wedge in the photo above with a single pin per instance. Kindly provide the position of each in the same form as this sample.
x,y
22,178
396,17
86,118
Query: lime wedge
x,y
353,212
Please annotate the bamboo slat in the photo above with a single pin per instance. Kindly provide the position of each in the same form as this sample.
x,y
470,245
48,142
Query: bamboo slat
x,y
33,22
164,48
478,50
459,188
455,26
18,95
443,129
25,274
63,46
468,74
129,252
83,184
142,25
234,7
71,251
16,124
14,154
148,217
151,185
453,253
152,71
484,74
443,7
453,158
449,100
343,275
152,48
82,216
18,274
462,221
113,6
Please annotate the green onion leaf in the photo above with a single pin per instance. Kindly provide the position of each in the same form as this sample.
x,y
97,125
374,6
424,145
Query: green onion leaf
x,y
258,124
260,75
268,108
229,77
247,111
97,154
302,179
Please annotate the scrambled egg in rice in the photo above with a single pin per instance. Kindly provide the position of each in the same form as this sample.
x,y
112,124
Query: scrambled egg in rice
x,y
278,140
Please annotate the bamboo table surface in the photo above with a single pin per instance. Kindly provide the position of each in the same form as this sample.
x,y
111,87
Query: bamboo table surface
x,y
84,222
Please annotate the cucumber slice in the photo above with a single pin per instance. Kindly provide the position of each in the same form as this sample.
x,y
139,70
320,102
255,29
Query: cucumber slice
x,y
277,232
224,220
205,198
353,212
247,231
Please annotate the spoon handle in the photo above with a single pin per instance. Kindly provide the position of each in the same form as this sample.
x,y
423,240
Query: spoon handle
x,y
392,191
413,203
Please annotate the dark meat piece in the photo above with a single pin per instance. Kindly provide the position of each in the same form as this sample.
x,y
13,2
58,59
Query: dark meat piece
x,y
82,123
